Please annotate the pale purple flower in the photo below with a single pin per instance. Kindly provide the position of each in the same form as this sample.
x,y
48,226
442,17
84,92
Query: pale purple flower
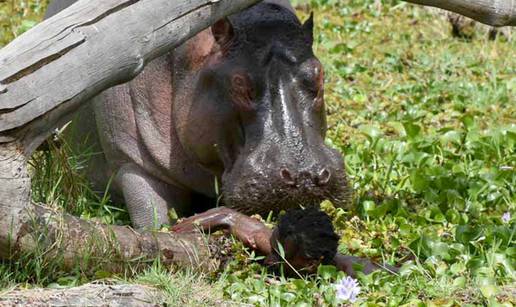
x,y
347,289
506,217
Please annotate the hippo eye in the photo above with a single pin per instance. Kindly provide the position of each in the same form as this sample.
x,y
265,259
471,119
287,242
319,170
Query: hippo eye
x,y
242,92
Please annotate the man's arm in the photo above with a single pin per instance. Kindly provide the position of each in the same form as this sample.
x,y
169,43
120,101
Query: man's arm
x,y
250,231
256,235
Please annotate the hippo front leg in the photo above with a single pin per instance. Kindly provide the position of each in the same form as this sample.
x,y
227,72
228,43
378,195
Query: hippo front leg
x,y
147,198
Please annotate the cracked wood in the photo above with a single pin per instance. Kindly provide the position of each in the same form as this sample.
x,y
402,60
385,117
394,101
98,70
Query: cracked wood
x,y
497,13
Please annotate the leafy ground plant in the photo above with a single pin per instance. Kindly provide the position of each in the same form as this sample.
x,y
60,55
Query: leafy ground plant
x,y
427,125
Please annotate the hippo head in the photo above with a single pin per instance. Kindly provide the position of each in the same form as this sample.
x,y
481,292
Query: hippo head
x,y
261,94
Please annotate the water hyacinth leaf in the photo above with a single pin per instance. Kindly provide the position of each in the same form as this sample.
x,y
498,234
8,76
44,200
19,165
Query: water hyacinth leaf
x,y
476,264
440,249
459,282
358,267
383,209
419,180
405,229
408,268
327,272
511,252
368,206
423,246
451,137
288,296
499,235
468,121
438,217
372,132
502,261
442,269
434,215
457,249
414,302
457,268
489,291
466,233
411,129
453,216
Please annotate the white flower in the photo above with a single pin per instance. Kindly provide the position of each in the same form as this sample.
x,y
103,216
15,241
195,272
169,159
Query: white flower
x,y
347,289
506,217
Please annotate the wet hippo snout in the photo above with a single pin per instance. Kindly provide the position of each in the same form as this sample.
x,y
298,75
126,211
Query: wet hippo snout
x,y
284,186
319,178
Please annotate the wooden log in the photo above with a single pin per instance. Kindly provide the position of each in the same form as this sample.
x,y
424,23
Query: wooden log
x,y
14,194
496,13
110,248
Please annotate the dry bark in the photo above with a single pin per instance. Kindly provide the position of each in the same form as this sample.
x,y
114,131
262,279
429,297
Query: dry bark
x,y
496,13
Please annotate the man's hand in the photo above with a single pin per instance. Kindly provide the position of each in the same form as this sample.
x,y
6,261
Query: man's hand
x,y
211,220
248,230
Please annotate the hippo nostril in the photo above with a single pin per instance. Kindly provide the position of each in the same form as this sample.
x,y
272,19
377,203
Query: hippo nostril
x,y
323,177
287,176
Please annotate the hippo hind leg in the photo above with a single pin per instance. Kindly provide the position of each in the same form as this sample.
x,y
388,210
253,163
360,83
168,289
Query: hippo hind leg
x,y
148,198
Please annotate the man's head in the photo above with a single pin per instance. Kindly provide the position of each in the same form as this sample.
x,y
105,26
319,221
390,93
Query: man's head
x,y
307,238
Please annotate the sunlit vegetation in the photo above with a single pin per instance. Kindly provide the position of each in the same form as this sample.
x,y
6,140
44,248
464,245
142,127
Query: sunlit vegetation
x,y
427,124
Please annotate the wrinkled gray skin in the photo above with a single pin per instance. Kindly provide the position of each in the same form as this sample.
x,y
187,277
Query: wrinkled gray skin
x,y
241,102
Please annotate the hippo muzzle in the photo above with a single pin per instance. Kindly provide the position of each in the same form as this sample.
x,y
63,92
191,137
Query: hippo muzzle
x,y
269,179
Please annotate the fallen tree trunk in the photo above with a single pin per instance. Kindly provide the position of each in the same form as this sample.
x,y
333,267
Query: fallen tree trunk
x,y
48,73
93,247
496,13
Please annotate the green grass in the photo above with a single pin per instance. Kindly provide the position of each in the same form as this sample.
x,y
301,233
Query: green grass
x,y
427,124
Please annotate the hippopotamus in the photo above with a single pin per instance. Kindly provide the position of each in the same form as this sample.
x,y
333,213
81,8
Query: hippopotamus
x,y
235,113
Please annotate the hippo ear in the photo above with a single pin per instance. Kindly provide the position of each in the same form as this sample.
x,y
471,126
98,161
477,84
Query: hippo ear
x,y
223,31
308,28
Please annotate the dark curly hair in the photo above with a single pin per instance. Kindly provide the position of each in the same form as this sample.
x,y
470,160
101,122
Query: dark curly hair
x,y
312,230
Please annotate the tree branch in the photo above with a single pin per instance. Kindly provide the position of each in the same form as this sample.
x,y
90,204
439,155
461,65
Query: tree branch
x,y
496,13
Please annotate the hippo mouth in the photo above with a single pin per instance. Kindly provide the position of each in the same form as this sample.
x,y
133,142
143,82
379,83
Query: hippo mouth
x,y
257,195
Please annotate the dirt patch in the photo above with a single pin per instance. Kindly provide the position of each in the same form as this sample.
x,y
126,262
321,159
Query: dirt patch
x,y
93,294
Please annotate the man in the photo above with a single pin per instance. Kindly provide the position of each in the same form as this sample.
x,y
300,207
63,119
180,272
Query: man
x,y
303,239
